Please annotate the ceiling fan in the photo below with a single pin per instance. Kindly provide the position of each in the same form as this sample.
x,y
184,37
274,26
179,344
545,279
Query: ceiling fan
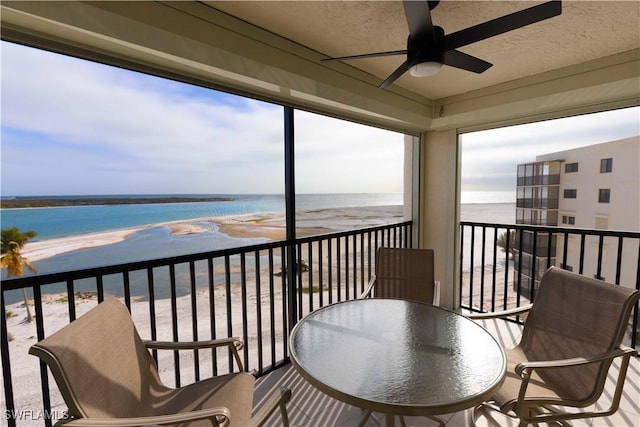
x,y
428,48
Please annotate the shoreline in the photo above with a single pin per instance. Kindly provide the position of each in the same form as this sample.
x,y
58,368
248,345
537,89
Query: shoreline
x,y
257,225
44,202
39,250
42,249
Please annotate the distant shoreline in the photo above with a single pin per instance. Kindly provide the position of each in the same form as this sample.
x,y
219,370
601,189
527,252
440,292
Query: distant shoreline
x,y
24,202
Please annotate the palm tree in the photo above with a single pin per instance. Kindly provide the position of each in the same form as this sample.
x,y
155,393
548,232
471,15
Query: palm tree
x,y
12,242
502,242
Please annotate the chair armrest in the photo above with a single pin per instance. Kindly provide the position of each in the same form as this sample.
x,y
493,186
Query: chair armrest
x,y
367,292
234,344
277,400
499,314
525,370
195,345
171,419
575,361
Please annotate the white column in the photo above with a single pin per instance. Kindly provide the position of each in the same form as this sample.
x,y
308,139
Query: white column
x,y
439,213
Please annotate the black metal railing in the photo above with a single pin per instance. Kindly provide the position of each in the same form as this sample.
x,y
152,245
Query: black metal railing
x,y
537,203
497,277
552,179
233,292
246,292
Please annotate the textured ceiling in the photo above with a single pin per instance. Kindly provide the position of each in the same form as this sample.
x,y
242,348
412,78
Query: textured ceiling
x,y
585,31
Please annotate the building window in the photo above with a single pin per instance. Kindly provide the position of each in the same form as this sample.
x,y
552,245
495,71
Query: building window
x,y
566,267
606,165
570,167
567,219
604,195
570,194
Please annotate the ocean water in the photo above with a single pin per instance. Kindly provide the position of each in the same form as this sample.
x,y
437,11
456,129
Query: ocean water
x,y
157,241
487,197
501,213
69,221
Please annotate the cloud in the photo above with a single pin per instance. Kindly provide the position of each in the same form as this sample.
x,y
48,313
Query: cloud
x,y
355,157
71,126
490,158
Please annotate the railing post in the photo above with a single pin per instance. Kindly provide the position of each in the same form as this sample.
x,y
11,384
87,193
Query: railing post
x,y
636,310
290,210
6,365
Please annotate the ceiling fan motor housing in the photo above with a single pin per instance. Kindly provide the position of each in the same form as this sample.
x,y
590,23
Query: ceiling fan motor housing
x,y
426,48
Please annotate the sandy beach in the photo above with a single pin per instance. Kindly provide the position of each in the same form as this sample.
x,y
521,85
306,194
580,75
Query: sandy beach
x,y
35,251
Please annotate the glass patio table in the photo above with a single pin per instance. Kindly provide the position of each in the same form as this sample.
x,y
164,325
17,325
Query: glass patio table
x,y
397,357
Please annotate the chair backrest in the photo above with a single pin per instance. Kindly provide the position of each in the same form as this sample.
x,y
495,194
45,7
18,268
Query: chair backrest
x,y
101,365
405,273
576,316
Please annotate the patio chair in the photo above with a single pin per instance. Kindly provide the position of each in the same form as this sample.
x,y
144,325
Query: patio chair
x,y
404,274
108,378
572,334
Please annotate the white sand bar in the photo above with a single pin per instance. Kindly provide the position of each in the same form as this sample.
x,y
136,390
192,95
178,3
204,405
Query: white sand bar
x,y
34,251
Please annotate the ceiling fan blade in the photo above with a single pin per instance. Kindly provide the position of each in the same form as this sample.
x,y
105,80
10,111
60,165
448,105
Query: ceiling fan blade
x,y
418,15
395,75
502,25
367,55
455,58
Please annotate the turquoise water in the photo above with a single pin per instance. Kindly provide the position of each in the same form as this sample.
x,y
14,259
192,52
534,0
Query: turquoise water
x,y
158,242
68,221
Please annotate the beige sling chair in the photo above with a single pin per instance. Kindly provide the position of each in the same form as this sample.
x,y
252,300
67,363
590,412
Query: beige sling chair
x,y
572,334
108,378
404,274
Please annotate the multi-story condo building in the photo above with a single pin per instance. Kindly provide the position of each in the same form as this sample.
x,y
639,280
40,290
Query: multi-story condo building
x,y
593,187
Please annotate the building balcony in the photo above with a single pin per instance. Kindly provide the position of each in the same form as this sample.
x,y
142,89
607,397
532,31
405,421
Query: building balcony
x,y
548,204
553,179
249,292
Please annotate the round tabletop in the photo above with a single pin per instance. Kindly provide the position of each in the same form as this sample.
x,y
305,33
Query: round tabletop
x,y
398,357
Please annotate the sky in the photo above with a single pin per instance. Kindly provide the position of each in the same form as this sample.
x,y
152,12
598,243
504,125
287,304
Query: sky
x,y
490,158
73,127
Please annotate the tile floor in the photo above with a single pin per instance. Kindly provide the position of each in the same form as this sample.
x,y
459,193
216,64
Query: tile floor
x,y
311,408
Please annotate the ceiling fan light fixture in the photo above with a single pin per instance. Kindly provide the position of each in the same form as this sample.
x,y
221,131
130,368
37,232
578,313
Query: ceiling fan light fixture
x,y
425,69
